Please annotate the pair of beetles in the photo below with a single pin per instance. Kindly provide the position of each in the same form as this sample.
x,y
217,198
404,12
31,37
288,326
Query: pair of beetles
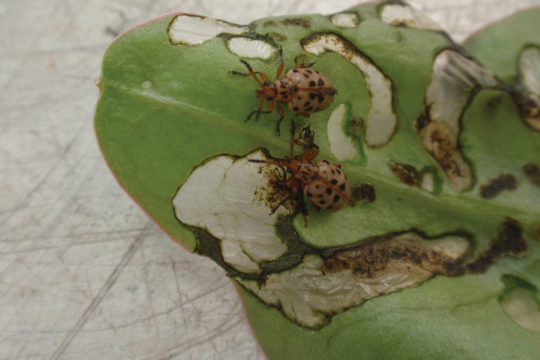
x,y
304,91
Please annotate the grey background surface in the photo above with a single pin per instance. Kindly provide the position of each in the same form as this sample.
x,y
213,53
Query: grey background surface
x,y
84,274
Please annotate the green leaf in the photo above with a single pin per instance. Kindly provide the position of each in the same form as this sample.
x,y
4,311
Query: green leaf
x,y
437,256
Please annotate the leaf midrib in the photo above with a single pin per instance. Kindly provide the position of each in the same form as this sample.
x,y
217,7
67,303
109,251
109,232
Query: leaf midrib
x,y
216,118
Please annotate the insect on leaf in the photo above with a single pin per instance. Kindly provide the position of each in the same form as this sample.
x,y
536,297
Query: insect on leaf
x,y
437,253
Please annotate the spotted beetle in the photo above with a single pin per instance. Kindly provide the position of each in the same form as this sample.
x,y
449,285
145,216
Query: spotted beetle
x,y
302,89
323,183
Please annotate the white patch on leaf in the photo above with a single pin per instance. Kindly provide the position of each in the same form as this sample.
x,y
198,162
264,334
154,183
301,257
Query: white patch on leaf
x,y
344,19
529,77
381,120
219,197
529,69
195,30
405,15
250,48
313,291
523,309
454,79
341,145
428,182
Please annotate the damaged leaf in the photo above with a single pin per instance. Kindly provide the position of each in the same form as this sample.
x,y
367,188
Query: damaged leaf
x,y
435,253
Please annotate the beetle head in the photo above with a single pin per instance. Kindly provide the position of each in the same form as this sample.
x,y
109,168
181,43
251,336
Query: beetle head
x,y
267,91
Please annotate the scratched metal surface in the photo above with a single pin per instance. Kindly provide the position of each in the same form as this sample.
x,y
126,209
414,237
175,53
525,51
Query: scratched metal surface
x,y
83,273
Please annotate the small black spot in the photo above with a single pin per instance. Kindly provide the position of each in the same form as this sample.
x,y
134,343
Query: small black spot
x,y
307,103
312,83
364,192
295,108
336,198
299,98
495,186
304,177
316,72
321,97
326,162
338,171
333,182
333,172
295,90
317,109
306,76
342,186
532,171
329,207
320,195
320,82
309,109
309,71
312,96
295,70
309,194
329,191
322,202
283,86
317,186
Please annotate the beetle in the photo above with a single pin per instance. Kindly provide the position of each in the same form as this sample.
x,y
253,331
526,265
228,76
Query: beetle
x,y
302,89
324,184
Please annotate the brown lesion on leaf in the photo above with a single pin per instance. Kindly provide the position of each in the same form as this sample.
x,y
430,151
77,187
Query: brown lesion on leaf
x,y
270,23
509,241
297,22
372,258
532,171
440,139
455,80
526,92
494,187
305,23
406,173
536,233
529,109
278,36
275,193
364,192
357,126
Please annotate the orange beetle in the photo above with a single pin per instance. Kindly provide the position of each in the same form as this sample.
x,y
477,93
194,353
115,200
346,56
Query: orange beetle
x,y
303,90
323,183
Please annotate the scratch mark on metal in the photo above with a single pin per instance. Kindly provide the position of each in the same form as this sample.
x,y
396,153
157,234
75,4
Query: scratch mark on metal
x,y
232,321
102,292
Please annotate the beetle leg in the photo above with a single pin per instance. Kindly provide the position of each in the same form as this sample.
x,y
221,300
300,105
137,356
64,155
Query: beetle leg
x,y
315,207
268,162
281,115
304,66
273,210
293,184
282,63
251,73
270,109
293,140
257,110
310,149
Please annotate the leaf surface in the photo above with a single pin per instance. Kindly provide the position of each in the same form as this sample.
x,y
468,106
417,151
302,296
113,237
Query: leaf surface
x,y
170,109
